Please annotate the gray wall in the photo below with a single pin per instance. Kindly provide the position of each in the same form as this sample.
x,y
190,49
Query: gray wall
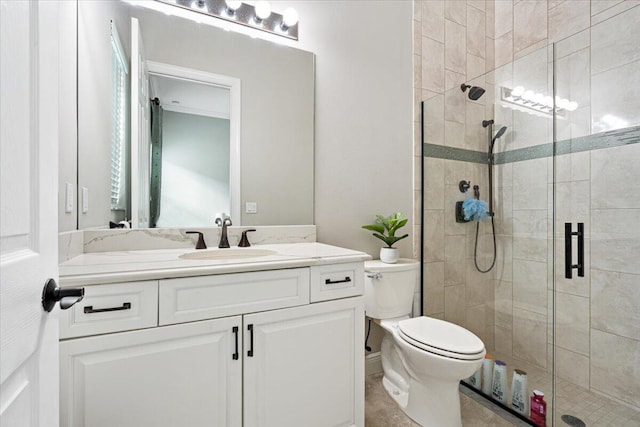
x,y
68,137
363,145
94,106
195,169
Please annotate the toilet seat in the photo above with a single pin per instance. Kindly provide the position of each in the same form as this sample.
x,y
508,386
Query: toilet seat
x,y
443,338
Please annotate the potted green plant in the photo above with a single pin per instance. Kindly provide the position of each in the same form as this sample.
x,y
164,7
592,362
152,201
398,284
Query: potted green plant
x,y
385,229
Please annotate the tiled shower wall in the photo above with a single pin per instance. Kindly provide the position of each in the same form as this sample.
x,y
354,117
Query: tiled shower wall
x,y
597,65
453,44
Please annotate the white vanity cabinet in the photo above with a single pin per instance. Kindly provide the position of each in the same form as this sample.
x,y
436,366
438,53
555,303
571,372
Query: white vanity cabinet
x,y
304,366
181,375
241,349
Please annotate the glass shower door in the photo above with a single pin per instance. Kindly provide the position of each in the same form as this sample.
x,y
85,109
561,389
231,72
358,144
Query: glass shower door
x,y
596,186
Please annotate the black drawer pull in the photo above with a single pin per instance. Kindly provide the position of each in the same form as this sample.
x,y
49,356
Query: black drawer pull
x,y
90,309
333,282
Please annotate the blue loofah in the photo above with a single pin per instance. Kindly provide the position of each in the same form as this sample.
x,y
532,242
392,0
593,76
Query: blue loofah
x,y
475,210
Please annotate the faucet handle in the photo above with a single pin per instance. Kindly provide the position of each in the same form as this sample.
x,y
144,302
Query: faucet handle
x,y
244,241
201,244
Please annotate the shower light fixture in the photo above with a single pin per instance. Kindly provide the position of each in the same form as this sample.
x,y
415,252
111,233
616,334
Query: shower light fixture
x,y
259,17
527,100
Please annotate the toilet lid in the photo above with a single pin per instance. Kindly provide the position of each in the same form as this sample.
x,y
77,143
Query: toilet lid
x,y
440,337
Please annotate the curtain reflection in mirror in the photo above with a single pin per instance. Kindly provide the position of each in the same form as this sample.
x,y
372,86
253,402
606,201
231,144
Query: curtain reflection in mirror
x,y
156,162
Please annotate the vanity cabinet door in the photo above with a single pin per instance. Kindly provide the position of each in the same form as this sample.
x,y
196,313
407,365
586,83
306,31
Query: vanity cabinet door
x,y
173,376
304,366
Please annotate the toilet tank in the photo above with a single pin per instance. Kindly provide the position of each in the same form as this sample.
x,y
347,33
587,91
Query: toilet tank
x,y
391,294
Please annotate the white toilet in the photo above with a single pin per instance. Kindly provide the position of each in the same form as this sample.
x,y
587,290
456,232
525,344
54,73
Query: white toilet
x,y
423,358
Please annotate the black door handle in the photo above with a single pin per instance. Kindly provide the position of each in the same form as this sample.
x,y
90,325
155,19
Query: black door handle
x,y
568,255
250,329
235,332
52,293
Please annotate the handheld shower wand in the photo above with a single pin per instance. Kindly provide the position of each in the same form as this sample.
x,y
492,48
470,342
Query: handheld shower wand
x,y
490,158
491,140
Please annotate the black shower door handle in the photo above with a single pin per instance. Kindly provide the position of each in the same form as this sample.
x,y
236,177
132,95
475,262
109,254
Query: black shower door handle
x,y
568,246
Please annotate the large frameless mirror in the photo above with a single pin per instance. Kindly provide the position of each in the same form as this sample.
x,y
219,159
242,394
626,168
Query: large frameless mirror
x,y
219,123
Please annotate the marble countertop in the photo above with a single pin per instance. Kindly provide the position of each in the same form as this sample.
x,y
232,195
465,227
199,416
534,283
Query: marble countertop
x,y
127,266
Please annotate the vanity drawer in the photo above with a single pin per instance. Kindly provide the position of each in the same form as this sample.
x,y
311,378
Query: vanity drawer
x,y
337,281
112,308
208,297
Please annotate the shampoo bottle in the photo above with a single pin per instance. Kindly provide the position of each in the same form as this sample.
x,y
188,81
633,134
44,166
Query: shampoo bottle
x,y
499,384
519,392
538,409
487,374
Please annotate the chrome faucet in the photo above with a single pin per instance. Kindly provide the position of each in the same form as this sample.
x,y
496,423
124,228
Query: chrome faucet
x,y
224,240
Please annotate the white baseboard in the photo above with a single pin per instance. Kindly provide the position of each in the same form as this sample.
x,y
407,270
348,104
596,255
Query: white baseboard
x,y
372,363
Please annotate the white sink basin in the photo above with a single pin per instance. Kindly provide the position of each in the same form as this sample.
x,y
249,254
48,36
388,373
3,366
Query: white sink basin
x,y
228,253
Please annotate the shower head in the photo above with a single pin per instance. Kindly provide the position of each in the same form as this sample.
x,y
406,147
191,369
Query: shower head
x,y
501,132
475,92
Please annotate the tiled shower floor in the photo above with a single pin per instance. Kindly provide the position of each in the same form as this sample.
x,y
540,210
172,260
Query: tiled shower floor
x,y
593,409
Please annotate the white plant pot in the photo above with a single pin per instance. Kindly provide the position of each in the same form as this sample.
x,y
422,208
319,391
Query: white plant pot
x,y
389,255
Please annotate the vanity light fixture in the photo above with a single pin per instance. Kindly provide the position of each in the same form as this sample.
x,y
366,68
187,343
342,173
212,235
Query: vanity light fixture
x,y
528,100
259,17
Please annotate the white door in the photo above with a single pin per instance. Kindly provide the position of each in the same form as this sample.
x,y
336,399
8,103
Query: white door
x,y
304,366
28,212
140,131
181,375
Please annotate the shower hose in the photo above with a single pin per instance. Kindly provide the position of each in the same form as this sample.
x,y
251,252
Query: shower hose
x,y
475,249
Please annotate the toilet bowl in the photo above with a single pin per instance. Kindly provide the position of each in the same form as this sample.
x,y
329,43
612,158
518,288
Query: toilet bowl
x,y
423,359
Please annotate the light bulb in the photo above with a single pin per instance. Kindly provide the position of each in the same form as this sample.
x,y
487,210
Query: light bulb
x,y
528,95
289,18
263,10
563,103
572,106
517,91
199,4
548,101
232,6
538,98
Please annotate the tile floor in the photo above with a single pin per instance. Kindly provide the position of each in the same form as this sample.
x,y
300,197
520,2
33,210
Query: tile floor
x,y
382,411
593,409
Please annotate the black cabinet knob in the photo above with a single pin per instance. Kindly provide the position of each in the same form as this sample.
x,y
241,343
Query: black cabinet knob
x,y
52,293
